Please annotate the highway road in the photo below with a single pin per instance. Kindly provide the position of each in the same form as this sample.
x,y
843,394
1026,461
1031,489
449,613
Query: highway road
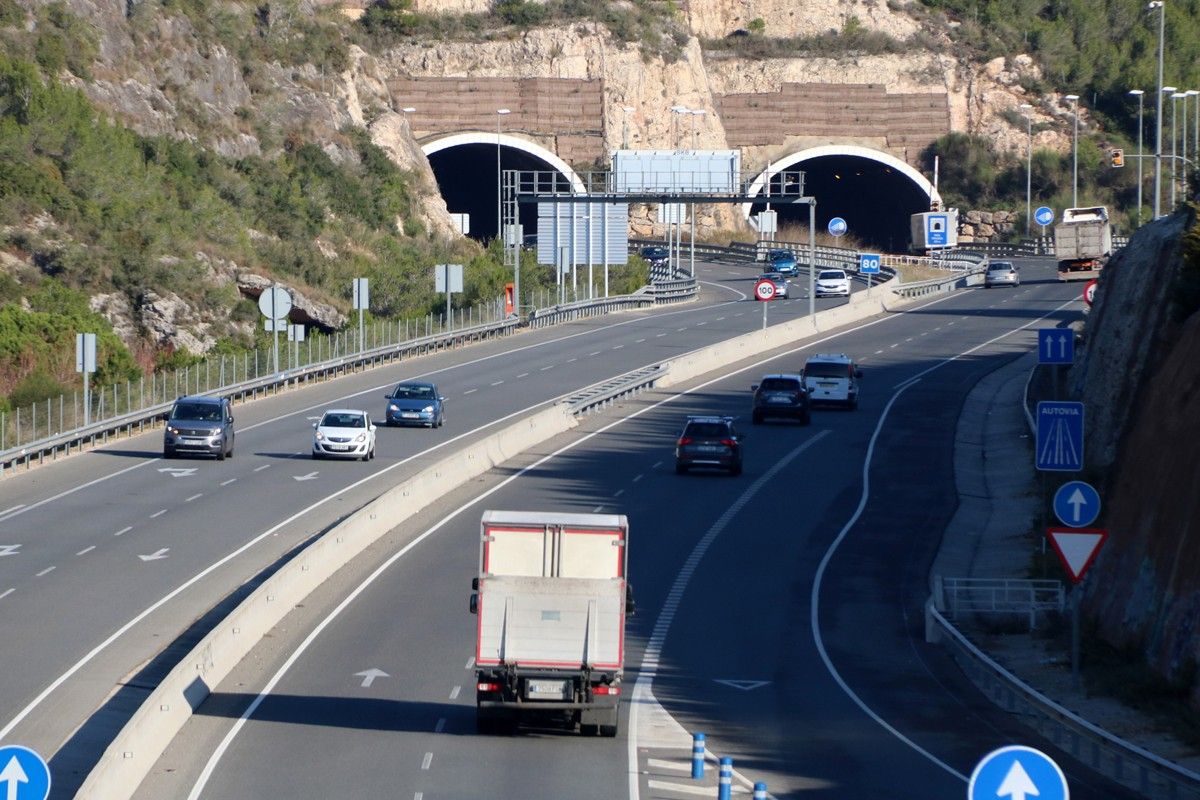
x,y
111,561
778,612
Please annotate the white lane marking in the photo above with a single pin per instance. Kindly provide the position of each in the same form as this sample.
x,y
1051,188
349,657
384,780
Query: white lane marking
x,y
686,788
157,555
618,346
877,352
523,375
549,366
46,571
194,497
656,465
573,360
469,391
226,483
497,383
596,510
267,466
86,550
441,725
639,341
419,796
9,549
454,692
158,513
909,339
680,330
637,478
470,663
219,752
13,508
618,492
698,324
720,319
6,593
426,761
659,335
595,353
682,766
124,530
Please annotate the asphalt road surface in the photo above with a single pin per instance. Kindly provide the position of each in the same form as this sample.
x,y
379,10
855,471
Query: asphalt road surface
x,y
778,612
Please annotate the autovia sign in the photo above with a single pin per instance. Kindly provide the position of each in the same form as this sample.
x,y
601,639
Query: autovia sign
x,y
1060,436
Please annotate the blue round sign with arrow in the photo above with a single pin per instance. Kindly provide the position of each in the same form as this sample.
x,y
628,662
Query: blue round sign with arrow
x,y
1017,772
837,226
1044,215
23,774
1077,504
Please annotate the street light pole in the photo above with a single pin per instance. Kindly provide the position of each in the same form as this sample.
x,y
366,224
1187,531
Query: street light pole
x,y
1073,99
1028,169
1183,162
1139,93
1174,158
1162,16
1196,128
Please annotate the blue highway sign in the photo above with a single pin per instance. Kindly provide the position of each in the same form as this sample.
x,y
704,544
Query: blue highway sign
x,y
837,226
936,234
1056,346
1077,504
1017,772
1059,436
23,774
1044,215
869,263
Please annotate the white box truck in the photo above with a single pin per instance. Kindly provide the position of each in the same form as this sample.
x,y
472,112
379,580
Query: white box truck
x,y
1082,243
550,601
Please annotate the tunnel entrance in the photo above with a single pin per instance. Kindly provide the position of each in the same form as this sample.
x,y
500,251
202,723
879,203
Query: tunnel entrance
x,y
875,193
465,168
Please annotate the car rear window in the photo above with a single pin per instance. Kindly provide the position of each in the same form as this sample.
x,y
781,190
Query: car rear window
x,y
831,275
1000,267
826,370
780,385
706,430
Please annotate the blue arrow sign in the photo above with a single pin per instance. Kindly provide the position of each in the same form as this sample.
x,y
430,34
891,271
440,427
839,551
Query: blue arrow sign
x,y
1017,772
23,774
1056,346
837,226
869,263
1077,504
1059,436
1044,215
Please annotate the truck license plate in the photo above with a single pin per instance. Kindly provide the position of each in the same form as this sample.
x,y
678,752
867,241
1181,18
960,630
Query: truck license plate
x,y
547,689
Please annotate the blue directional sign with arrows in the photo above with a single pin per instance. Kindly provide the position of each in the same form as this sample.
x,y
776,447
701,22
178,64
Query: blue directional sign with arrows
x,y
1044,215
1077,504
1059,436
1056,346
1017,772
23,774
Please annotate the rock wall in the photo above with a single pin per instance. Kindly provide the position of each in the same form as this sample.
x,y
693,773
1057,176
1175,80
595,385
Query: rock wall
x,y
987,226
713,19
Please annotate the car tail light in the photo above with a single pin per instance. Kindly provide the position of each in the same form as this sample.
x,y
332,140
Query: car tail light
x,y
684,440
728,442
488,687
605,689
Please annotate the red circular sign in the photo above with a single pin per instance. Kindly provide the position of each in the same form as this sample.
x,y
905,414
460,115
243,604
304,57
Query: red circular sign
x,y
764,290
1089,292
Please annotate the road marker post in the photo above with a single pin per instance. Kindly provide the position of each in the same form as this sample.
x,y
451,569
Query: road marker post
x,y
760,791
697,756
725,787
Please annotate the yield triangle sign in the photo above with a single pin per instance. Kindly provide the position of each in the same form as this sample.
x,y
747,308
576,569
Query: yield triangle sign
x,y
1077,548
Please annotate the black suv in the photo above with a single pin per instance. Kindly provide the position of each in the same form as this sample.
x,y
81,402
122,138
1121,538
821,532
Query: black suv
x,y
656,256
782,396
202,425
709,442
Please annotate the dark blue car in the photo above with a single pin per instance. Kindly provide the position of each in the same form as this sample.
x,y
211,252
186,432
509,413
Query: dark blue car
x,y
783,262
415,403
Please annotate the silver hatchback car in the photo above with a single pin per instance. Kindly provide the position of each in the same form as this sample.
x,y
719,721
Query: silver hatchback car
x,y
1001,273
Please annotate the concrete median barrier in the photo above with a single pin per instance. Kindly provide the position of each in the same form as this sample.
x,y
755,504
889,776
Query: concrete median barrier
x,y
163,714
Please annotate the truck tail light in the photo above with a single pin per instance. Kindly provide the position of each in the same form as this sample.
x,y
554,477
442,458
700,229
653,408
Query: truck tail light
x,y
488,687
606,689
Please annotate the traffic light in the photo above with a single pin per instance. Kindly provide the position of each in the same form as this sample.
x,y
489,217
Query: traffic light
x,y
1116,157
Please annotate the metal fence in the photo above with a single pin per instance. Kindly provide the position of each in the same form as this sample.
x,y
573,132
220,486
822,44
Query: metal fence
x,y
965,597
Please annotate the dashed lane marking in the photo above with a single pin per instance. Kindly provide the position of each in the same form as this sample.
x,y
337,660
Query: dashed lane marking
x,y
194,497
86,550
46,571
158,513
226,483
124,530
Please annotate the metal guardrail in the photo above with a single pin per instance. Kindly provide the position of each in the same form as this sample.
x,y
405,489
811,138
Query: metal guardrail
x,y
1122,761
601,395
657,293
1008,596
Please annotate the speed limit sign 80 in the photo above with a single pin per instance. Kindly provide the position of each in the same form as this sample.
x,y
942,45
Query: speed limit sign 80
x,y
764,290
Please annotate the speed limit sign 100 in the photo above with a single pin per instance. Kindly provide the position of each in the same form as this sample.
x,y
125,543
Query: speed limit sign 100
x,y
1089,292
764,290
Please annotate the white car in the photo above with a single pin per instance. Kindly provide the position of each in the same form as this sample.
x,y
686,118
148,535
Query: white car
x,y
833,282
344,433
832,378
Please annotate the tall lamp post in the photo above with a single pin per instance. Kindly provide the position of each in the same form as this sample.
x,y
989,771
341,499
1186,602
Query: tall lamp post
x,y
1175,97
1026,107
1141,102
500,113
1196,128
1162,16
1073,99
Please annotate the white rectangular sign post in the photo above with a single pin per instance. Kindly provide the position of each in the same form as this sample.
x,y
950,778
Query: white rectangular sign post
x,y
296,335
85,362
564,265
362,301
448,278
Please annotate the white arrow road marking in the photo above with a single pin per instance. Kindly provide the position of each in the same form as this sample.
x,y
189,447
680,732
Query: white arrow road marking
x,y
179,472
14,775
369,675
1017,783
312,476
9,549
155,556
745,686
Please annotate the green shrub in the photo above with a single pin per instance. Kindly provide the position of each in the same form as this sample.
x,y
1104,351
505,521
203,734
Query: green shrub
x,y
35,387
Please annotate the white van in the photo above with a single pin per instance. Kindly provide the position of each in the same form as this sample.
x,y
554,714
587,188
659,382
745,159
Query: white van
x,y
832,378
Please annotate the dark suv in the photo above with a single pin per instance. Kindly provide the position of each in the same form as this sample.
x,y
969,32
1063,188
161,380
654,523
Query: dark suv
x,y
781,396
709,442
202,425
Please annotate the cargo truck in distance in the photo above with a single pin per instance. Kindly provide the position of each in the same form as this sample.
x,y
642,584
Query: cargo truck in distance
x,y
550,602
1082,243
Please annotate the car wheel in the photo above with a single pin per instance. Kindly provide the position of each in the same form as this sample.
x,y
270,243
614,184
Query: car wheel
x,y
316,456
735,470
168,453
680,469
806,419
854,404
221,455
757,418
372,453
